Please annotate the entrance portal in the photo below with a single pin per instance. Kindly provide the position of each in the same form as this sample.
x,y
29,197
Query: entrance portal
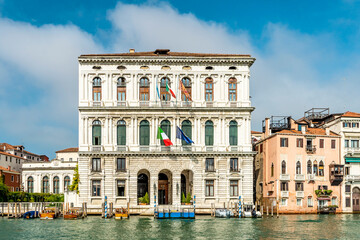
x,y
143,184
165,187
186,183
356,199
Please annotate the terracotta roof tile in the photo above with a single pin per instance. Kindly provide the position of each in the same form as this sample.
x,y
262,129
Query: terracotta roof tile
x,y
255,132
11,155
5,169
310,131
68,150
351,114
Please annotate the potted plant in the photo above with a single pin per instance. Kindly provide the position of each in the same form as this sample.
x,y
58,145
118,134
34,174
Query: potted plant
x,y
332,208
188,199
183,199
144,200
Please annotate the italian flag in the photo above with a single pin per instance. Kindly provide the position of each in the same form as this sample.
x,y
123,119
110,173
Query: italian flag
x,y
168,89
161,135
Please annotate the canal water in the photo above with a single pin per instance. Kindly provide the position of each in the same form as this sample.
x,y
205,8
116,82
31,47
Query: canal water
x,y
284,227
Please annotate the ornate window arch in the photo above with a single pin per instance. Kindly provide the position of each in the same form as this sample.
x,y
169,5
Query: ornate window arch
x,y
144,89
121,89
232,89
186,127
186,89
283,167
121,132
298,167
144,133
209,133
96,86
309,167
315,168
209,89
66,182
45,185
166,127
233,133
272,169
321,168
96,132
56,185
164,95
30,184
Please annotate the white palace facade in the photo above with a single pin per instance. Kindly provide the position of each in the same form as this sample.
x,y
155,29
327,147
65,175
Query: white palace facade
x,y
122,102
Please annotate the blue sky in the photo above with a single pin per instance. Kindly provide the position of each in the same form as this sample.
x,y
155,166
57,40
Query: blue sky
x,y
307,54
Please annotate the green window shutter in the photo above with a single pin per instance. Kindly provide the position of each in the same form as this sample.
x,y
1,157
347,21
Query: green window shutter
x,y
96,133
209,133
166,127
121,135
233,133
187,129
144,133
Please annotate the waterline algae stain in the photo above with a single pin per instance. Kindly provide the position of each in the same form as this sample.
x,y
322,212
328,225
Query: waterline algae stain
x,y
284,227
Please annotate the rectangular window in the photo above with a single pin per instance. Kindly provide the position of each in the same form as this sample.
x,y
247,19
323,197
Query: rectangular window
x,y
284,186
299,142
283,202
121,188
333,144
347,188
17,179
96,164
232,91
234,188
322,187
355,143
234,165
96,187
97,94
12,178
17,189
209,191
348,202
347,170
299,187
261,148
299,202
209,165
334,201
347,143
355,125
6,158
209,91
121,165
283,142
321,143
70,159
310,202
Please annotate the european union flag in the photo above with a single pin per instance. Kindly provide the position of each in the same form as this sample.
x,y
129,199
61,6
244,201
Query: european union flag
x,y
181,135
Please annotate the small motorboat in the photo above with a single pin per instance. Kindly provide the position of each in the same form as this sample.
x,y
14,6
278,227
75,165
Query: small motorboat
x,y
49,213
121,213
223,213
31,214
71,214
250,212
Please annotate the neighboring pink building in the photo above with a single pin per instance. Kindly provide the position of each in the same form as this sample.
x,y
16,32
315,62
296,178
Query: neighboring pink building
x,y
296,166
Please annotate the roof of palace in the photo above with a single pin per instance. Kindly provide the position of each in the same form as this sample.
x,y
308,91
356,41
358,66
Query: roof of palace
x,y
350,114
68,150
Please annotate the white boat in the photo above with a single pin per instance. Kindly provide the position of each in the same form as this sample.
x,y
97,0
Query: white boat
x,y
223,213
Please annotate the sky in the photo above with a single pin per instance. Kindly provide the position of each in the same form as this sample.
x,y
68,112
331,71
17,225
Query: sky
x,y
307,55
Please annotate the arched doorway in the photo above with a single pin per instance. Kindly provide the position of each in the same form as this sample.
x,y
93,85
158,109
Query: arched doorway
x,y
186,183
165,187
143,184
356,199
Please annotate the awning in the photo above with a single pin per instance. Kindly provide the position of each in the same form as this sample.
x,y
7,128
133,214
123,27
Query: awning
x,y
324,198
352,159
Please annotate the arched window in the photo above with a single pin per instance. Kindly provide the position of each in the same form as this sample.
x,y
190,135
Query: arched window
x,y
186,82
121,89
45,185
209,90
186,127
166,127
283,167
321,168
209,133
144,89
144,133
232,90
233,133
96,132
66,183
121,132
56,185
315,168
272,169
298,167
164,95
309,167
30,184
97,89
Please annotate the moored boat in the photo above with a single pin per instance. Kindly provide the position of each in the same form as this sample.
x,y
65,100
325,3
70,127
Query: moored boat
x,y
49,213
121,213
71,214
31,214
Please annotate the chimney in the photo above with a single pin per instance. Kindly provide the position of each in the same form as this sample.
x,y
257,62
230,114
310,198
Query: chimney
x,y
292,123
9,168
131,50
267,127
303,129
327,130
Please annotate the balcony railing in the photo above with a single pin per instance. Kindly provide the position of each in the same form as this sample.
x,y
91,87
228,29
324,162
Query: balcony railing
x,y
310,177
209,149
300,194
96,148
284,194
121,103
144,148
299,177
352,178
234,148
284,177
352,149
120,148
311,149
97,103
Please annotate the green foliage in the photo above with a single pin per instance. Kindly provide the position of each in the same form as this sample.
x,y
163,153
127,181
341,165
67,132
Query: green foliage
x,y
323,192
34,197
183,199
145,199
188,198
333,206
76,179
4,190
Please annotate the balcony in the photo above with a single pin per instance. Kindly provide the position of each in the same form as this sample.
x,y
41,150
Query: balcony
x,y
310,177
233,148
336,174
144,148
209,104
352,178
96,103
96,148
209,149
310,149
299,177
121,148
121,103
186,104
144,103
284,177
300,194
186,148
352,150
284,194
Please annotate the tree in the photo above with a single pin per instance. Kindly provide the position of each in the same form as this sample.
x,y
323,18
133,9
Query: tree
x,y
4,191
75,182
